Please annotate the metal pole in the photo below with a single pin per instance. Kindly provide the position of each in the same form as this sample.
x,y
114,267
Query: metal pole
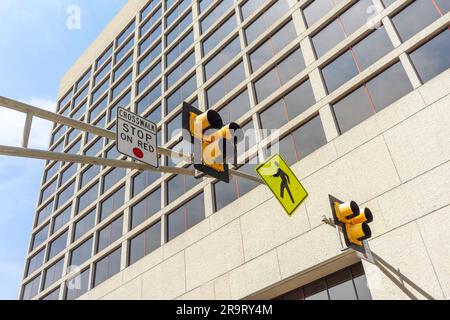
x,y
49,155
60,119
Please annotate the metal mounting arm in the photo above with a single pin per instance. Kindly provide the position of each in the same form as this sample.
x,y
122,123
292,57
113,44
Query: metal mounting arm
x,y
32,111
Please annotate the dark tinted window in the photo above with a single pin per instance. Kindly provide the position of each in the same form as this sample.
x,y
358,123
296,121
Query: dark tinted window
x,y
107,267
185,217
145,243
110,234
146,208
422,12
378,93
433,57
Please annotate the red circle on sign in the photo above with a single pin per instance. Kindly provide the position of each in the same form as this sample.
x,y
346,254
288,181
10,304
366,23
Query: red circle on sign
x,y
138,153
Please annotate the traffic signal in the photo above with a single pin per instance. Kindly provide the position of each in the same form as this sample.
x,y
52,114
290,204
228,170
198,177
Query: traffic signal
x,y
208,136
353,221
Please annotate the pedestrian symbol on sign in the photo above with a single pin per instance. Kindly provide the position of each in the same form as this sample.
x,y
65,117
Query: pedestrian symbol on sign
x,y
283,183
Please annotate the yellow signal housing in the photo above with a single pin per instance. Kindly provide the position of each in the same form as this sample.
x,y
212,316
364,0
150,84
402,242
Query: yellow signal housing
x,y
354,222
346,211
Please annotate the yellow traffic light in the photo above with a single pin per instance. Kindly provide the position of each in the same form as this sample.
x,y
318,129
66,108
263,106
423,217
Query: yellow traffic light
x,y
354,222
210,158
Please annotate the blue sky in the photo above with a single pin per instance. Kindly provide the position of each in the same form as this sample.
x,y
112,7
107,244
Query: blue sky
x,y
36,49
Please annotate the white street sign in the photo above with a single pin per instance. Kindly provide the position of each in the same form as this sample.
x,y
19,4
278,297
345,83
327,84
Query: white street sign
x,y
136,137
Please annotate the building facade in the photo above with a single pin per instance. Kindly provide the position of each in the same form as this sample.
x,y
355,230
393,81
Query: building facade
x,y
359,91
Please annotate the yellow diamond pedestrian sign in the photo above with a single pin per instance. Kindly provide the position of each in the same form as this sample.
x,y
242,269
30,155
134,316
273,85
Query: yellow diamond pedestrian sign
x,y
283,183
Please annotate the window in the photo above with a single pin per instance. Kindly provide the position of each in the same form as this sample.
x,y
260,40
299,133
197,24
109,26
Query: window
x,y
88,175
72,135
288,107
149,57
155,115
226,84
146,208
356,59
84,225
68,173
77,286
58,134
52,296
65,100
123,103
175,14
250,7
178,185
347,284
44,213
318,9
125,34
372,97
31,289
149,98
102,59
40,236
422,12
118,72
121,85
149,77
273,45
110,234
51,171
81,254
48,190
179,28
62,219
83,80
75,148
432,58
53,274
88,198
143,180
112,153
113,177
101,74
182,93
185,217
215,14
218,35
179,48
203,4
225,193
150,22
94,148
145,243
65,195
81,96
173,127
98,109
35,262
148,8
279,75
101,89
181,69
224,56
302,141
343,26
107,267
57,245
150,38
124,50
266,20
113,203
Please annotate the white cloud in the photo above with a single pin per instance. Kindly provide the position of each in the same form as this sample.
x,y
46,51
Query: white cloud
x,y
12,123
